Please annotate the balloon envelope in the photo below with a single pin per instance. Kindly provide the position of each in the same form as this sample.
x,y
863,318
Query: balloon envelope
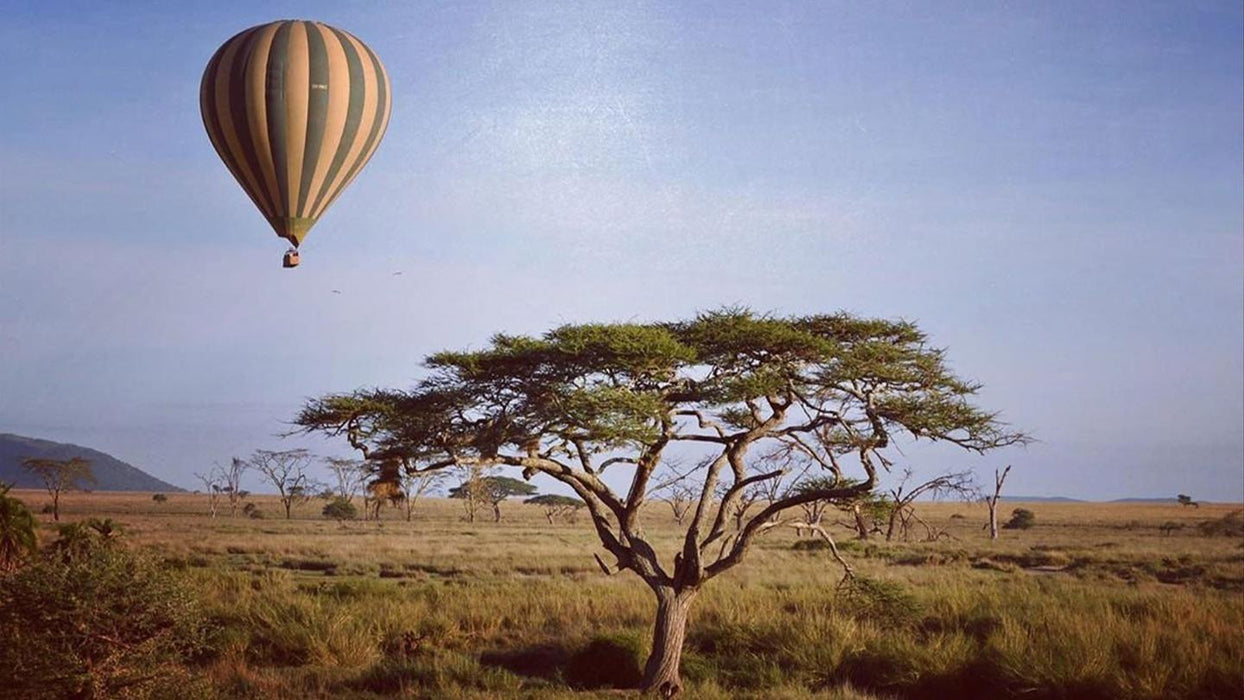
x,y
294,109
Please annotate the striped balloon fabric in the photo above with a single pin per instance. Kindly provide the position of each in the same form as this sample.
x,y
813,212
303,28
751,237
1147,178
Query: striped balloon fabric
x,y
295,109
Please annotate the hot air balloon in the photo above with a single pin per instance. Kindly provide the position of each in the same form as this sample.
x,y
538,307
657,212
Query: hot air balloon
x,y
294,109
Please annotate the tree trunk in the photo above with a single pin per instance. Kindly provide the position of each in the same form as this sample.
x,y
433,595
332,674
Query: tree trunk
x,y
993,519
661,673
496,512
861,527
56,506
894,514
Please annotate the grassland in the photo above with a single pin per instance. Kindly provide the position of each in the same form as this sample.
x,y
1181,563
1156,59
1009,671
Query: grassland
x,y
1097,600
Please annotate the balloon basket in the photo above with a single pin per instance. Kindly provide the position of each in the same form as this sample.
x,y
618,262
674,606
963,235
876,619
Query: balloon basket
x,y
291,259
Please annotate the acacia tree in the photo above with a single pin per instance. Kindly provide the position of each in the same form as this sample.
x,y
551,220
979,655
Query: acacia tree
x,y
582,399
557,506
349,474
287,471
59,475
492,490
415,484
226,480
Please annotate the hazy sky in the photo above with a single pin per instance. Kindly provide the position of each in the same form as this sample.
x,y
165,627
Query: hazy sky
x,y
1053,191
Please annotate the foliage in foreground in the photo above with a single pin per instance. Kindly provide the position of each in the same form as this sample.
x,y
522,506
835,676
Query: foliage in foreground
x,y
93,619
17,531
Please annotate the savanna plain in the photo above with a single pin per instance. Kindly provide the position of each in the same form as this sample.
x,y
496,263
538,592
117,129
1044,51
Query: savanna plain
x,y
1094,601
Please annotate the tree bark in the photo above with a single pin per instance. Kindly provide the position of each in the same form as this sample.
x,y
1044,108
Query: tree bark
x,y
861,528
661,673
999,478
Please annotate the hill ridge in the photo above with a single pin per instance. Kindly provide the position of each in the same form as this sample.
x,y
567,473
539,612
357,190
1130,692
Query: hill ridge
x,y
111,474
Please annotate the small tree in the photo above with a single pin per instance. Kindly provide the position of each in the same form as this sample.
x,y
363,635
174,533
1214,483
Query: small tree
x,y
992,501
494,490
415,484
961,483
287,472
1021,519
557,506
17,531
349,475
1186,500
59,475
224,481
212,488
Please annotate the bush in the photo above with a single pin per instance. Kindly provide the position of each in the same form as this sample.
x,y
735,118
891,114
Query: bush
x,y
17,532
159,497
608,661
1229,525
1021,519
340,509
102,623
252,511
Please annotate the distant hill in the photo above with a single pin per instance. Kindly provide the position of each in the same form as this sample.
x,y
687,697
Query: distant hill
x,y
111,474
1145,500
1043,499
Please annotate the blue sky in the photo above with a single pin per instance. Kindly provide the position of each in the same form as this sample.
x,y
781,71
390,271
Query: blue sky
x,y
1053,191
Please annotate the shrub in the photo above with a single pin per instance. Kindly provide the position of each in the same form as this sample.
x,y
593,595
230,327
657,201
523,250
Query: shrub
x,y
252,511
159,497
102,623
340,509
885,602
608,661
1229,525
1021,519
17,532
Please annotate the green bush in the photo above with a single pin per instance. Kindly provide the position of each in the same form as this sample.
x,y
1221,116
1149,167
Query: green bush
x,y
17,532
1021,519
103,622
340,509
608,661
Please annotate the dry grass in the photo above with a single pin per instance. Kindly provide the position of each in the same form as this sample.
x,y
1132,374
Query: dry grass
x,y
1096,601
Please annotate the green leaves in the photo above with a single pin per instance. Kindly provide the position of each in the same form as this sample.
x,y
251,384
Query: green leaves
x,y
841,381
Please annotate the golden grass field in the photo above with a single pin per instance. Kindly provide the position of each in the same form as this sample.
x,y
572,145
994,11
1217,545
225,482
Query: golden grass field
x,y
1095,601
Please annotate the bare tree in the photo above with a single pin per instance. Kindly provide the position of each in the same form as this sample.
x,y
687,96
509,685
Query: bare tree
x,y
415,484
961,483
679,497
213,488
472,490
570,404
999,478
349,476
229,482
287,472
59,475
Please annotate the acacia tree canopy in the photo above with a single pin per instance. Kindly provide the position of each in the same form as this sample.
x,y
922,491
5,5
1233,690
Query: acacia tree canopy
x,y
826,391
